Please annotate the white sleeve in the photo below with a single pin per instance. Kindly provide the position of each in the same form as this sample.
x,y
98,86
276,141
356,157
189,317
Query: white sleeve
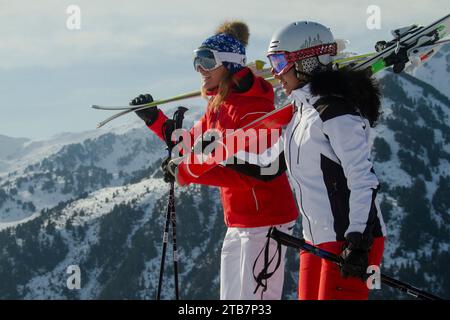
x,y
349,141
265,158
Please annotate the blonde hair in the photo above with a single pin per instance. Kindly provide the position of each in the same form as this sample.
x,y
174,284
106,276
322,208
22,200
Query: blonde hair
x,y
223,90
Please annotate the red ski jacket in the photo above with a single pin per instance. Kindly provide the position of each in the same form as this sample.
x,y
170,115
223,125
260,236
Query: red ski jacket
x,y
247,202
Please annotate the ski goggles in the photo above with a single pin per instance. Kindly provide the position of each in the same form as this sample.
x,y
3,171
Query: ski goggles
x,y
209,59
283,61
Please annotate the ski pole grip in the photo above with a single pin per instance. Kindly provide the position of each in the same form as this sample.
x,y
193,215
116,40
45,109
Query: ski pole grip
x,y
178,116
168,128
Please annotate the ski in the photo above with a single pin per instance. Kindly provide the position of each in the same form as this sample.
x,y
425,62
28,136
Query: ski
x,y
265,73
257,67
154,103
395,52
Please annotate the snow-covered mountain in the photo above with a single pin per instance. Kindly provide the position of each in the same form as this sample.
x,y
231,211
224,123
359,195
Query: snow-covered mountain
x,y
97,200
436,71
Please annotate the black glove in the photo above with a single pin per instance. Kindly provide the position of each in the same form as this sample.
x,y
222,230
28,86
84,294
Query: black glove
x,y
165,165
355,257
149,115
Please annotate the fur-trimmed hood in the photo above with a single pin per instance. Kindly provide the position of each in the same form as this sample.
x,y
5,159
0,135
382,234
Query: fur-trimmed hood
x,y
357,88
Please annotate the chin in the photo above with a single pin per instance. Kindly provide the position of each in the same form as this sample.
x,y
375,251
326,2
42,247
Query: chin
x,y
208,87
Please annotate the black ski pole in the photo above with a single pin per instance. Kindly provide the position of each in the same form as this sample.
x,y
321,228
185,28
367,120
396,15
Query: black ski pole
x,y
169,126
173,219
164,246
291,241
178,118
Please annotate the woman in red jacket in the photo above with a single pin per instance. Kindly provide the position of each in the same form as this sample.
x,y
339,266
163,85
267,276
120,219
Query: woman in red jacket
x,y
251,206
235,98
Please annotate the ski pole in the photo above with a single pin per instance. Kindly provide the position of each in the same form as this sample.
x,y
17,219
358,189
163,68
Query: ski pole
x,y
178,118
291,241
173,219
169,126
164,247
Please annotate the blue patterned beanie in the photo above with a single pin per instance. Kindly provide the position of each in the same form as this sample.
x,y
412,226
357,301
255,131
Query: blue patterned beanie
x,y
223,42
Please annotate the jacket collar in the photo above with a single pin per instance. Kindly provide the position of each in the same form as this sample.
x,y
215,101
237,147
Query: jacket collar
x,y
304,96
244,78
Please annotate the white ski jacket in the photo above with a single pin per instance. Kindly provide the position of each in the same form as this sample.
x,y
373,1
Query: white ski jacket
x,y
328,158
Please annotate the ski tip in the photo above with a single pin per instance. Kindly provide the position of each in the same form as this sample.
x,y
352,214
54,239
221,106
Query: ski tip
x,y
259,64
94,106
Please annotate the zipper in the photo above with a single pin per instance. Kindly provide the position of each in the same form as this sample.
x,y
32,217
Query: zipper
x,y
335,188
289,147
301,115
256,199
304,213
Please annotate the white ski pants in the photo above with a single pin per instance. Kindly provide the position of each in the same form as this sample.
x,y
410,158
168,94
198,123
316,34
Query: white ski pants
x,y
240,249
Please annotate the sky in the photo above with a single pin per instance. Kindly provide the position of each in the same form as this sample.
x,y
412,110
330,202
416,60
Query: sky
x,y
50,74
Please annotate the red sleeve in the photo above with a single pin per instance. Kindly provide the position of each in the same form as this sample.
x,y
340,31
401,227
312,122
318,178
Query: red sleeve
x,y
157,126
220,176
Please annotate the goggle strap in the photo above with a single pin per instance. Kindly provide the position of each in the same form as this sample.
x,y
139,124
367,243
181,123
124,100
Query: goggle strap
x,y
329,48
231,57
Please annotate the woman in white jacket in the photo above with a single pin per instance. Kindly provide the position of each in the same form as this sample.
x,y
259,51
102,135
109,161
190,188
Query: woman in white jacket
x,y
327,153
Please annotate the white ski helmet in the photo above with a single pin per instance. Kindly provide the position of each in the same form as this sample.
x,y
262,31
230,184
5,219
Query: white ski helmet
x,y
308,42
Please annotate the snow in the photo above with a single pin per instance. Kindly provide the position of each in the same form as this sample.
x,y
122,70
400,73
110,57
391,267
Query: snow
x,y
413,90
17,221
435,71
34,151
389,171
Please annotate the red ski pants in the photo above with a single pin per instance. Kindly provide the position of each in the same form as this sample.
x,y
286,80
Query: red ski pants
x,y
320,279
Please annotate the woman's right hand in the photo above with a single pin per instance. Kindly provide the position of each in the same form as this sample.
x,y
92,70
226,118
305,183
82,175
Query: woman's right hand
x,y
149,115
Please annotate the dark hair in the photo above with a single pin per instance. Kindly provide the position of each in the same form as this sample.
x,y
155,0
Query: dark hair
x,y
357,88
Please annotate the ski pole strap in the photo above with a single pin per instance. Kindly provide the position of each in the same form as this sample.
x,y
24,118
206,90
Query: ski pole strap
x,y
293,242
263,275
